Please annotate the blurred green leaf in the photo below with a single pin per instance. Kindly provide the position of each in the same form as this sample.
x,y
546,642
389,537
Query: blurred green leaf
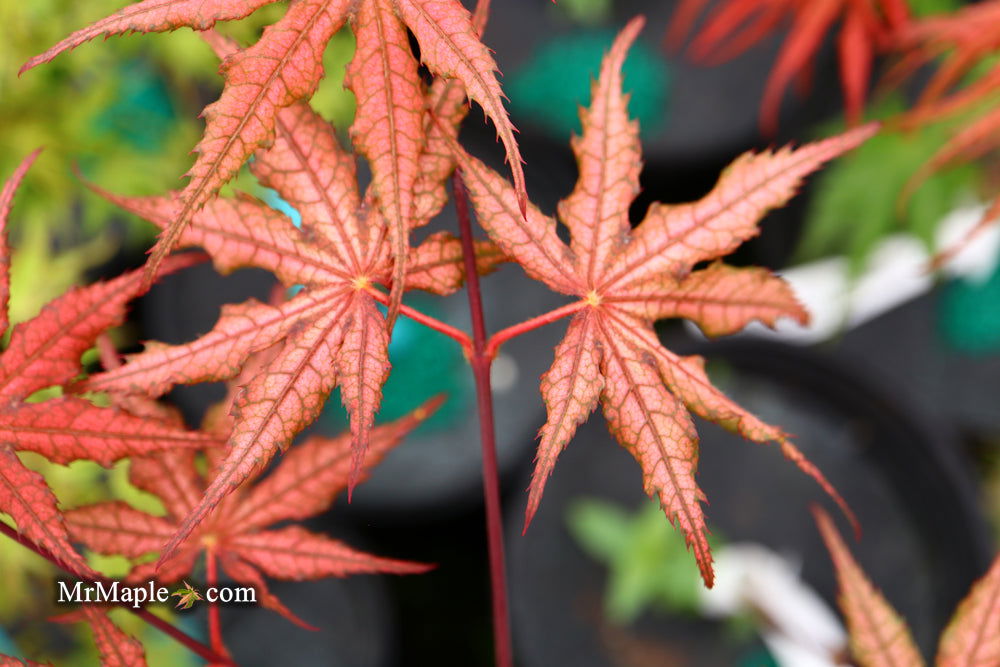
x,y
587,12
648,561
928,7
858,199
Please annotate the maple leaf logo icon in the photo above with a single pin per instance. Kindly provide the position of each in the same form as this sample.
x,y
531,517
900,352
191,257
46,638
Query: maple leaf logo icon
x,y
187,595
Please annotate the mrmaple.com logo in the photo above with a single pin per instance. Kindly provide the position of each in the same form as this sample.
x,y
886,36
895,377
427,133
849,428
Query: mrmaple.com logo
x,y
113,592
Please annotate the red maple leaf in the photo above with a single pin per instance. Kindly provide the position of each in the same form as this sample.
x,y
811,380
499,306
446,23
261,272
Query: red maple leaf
x,y
45,352
285,66
626,279
973,635
331,333
878,635
737,25
238,534
116,647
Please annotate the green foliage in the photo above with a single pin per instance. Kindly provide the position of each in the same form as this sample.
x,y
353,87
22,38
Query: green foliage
x,y
106,110
124,112
647,560
858,202
928,7
587,12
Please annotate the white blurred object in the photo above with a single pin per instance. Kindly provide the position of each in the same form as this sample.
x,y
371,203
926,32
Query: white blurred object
x,y
895,272
797,626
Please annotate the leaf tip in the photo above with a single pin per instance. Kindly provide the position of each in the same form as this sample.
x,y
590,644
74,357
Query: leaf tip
x,y
795,455
429,407
529,513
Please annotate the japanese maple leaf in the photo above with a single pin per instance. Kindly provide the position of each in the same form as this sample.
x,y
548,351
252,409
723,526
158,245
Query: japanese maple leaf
x,y
45,352
626,279
972,637
239,533
285,66
880,638
737,25
116,647
331,333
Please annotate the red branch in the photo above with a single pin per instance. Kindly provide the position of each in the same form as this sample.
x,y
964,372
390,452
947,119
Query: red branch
x,y
166,628
504,335
481,362
428,321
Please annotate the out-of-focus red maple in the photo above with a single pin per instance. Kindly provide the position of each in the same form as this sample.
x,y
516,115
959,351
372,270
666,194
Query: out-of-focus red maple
x,y
737,25
964,40
627,279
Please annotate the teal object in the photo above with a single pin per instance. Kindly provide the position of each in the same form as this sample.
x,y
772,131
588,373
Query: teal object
x,y
759,658
970,315
143,112
549,90
142,116
6,644
274,200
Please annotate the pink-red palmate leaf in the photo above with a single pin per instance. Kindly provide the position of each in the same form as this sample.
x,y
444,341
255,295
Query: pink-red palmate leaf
x,y
116,647
388,128
239,532
972,638
45,352
284,67
626,279
878,636
330,334
736,25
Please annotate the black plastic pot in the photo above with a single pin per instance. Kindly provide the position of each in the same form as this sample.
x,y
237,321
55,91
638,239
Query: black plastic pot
x,y
949,384
924,540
